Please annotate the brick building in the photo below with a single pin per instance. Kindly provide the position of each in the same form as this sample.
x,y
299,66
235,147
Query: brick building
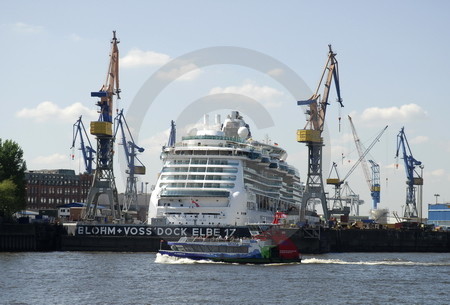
x,y
47,189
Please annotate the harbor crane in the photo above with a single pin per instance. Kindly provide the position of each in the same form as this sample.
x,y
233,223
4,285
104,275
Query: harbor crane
x,y
104,181
312,134
375,190
173,135
413,178
372,179
86,150
131,150
351,199
337,207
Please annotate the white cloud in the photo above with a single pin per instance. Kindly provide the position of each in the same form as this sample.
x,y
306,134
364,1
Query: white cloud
x,y
27,28
46,111
183,71
343,139
419,140
139,58
271,97
438,173
404,113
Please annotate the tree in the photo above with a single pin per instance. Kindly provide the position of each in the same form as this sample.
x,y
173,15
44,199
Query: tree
x,y
8,198
12,178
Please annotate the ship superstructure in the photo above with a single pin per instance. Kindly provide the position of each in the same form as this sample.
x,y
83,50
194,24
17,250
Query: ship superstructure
x,y
219,176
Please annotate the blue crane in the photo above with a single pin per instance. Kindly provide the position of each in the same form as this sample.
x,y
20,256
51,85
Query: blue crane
x,y
375,186
173,135
131,150
413,178
87,150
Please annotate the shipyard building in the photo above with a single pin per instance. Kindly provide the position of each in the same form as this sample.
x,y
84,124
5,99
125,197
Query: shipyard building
x,y
64,191
439,215
47,189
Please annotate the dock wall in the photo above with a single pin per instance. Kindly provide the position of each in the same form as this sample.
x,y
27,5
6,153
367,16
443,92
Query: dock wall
x,y
50,237
30,237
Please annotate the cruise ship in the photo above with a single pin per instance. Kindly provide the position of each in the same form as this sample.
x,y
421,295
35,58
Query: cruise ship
x,y
219,176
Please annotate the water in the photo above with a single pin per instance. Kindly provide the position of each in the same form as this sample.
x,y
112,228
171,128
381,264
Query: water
x,y
135,278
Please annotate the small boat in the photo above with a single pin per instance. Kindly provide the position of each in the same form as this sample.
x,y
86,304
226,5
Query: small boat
x,y
267,248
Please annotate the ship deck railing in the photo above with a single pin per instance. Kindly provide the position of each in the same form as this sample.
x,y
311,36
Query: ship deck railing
x,y
211,137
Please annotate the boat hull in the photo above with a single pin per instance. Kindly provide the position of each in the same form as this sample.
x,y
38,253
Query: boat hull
x,y
227,258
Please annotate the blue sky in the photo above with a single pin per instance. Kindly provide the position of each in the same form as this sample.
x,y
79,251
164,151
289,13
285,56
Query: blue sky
x,y
393,58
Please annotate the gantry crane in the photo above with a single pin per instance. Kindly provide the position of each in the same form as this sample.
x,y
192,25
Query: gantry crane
x,y
312,135
351,199
373,180
413,178
131,150
336,206
87,150
345,200
104,181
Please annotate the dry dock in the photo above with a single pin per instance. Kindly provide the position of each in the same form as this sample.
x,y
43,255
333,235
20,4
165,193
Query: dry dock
x,y
51,237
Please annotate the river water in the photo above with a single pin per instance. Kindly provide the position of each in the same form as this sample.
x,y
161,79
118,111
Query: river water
x,y
147,278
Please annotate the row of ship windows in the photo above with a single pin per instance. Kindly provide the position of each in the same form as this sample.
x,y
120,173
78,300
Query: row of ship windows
x,y
200,169
212,248
198,177
265,174
204,161
202,185
261,180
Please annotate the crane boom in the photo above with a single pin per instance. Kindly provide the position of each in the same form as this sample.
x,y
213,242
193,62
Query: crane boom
x,y
87,150
318,105
373,180
111,85
360,148
363,154
312,135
